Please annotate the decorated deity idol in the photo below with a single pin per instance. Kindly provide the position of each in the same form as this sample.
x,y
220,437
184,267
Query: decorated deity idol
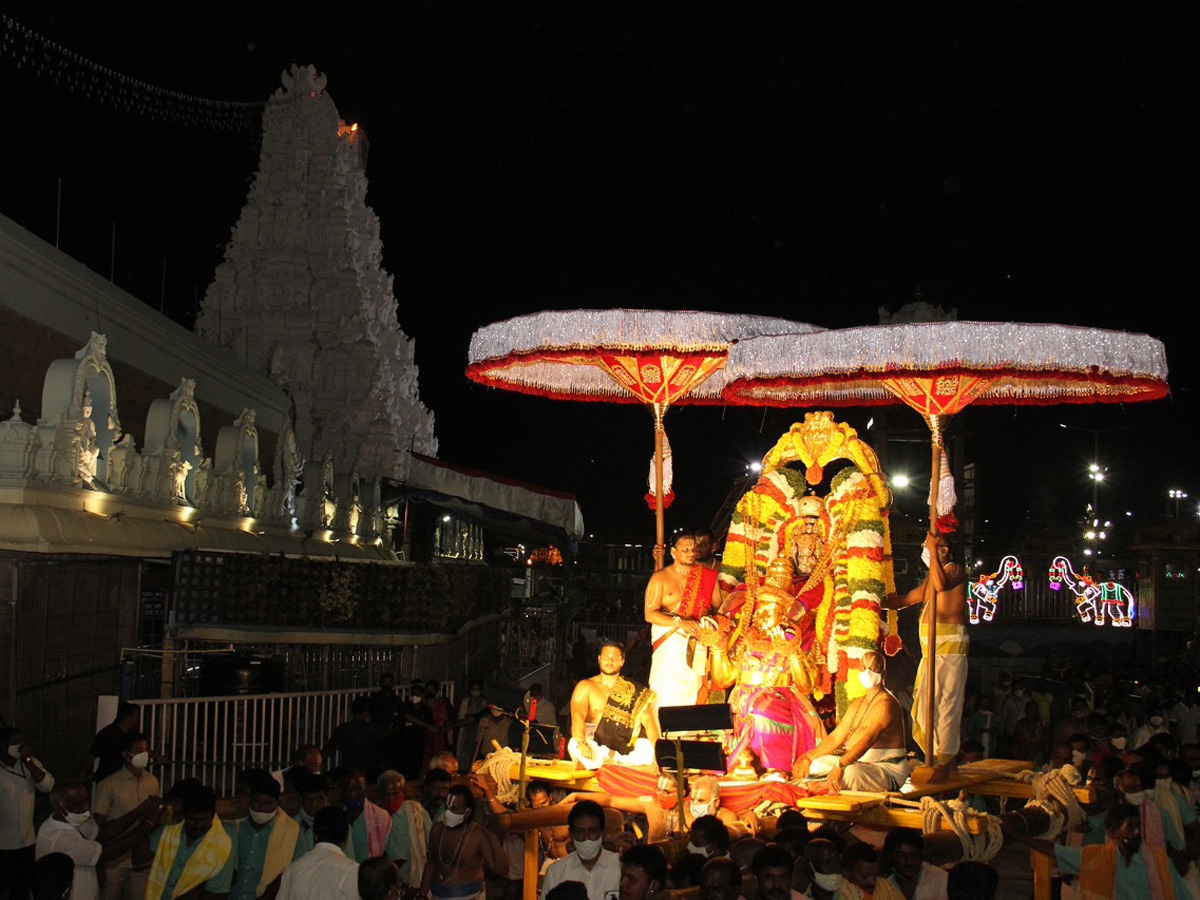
x,y
760,648
838,543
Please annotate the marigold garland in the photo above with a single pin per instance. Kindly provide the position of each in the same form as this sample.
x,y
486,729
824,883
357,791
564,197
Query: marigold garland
x,y
847,622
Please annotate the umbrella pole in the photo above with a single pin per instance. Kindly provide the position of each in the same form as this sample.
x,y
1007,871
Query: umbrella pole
x,y
660,544
935,426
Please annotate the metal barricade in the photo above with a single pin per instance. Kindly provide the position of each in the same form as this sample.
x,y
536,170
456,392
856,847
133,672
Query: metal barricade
x,y
213,738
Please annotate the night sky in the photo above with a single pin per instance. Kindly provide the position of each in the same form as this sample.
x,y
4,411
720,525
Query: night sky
x,y
1020,161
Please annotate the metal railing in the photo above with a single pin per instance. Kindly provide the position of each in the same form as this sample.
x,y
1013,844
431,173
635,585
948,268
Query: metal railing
x,y
213,738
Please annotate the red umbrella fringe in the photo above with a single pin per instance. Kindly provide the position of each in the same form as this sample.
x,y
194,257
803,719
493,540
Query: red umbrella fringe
x,y
1146,388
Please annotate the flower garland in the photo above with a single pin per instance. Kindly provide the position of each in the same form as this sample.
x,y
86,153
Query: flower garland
x,y
847,621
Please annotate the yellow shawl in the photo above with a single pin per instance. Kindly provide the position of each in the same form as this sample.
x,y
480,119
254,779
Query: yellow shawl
x,y
281,847
1098,872
206,860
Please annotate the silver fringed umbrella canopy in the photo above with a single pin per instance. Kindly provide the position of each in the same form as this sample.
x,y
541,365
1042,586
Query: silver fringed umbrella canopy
x,y
938,368
656,357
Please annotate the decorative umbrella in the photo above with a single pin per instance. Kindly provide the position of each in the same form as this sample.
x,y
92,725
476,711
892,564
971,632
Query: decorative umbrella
x,y
938,368
656,357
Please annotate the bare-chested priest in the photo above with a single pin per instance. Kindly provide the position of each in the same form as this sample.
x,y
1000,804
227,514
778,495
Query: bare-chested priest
x,y
947,582
677,598
612,718
870,737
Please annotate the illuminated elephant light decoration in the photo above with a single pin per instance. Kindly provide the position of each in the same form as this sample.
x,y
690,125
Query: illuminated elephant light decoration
x,y
1094,601
984,591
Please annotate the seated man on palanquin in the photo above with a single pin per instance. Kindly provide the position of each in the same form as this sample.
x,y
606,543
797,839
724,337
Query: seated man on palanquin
x,y
866,751
612,718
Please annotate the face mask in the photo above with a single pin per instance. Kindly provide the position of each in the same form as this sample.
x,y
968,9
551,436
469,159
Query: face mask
x,y
1155,721
261,818
1020,692
1077,758
1137,798
306,818
924,559
356,802
827,881
1164,783
140,760
698,809
476,693
588,850
453,819
14,750
497,713
869,679
393,805
77,819
699,851
1118,743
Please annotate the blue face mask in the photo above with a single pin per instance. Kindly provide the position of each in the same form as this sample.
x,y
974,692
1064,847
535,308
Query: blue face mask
x,y
353,803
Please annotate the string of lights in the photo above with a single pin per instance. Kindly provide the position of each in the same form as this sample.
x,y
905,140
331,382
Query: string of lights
x,y
29,52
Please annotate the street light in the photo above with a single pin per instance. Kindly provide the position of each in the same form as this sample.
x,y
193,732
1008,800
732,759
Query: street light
x,y
1177,495
1096,472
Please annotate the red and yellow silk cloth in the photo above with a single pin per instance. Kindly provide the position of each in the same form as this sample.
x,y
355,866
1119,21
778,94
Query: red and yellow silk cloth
x,y
696,601
623,781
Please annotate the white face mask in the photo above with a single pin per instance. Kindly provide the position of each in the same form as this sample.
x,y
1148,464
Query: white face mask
x,y
588,850
140,760
261,818
14,750
1164,783
77,819
698,809
1137,798
696,849
1118,742
1155,721
453,819
306,818
1077,758
827,881
1020,692
924,559
869,679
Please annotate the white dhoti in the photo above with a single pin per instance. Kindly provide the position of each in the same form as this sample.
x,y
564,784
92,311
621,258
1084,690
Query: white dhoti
x,y
879,769
642,753
674,680
950,674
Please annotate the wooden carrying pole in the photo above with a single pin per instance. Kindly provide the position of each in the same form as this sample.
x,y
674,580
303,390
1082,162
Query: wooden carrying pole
x,y
930,748
660,541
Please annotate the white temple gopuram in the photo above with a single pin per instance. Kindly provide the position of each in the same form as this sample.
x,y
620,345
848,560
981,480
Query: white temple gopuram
x,y
302,294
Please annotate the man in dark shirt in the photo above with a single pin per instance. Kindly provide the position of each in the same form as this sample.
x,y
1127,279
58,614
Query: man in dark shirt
x,y
384,704
358,741
104,758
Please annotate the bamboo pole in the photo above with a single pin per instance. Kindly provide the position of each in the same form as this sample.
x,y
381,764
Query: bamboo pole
x,y
660,542
930,748
931,599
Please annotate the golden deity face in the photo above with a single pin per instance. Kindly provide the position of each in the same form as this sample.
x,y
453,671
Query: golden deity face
x,y
769,613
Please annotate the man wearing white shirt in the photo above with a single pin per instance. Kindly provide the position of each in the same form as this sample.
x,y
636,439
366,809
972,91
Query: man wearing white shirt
x,y
324,872
599,870
21,776
72,830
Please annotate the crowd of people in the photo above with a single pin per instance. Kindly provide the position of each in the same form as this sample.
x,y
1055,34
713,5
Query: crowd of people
x,y
402,815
